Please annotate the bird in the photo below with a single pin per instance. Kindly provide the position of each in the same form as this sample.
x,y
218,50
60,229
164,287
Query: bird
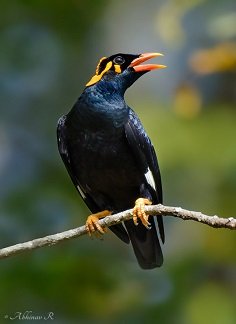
x,y
110,158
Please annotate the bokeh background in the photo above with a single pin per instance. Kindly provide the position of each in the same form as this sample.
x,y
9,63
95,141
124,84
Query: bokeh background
x,y
49,50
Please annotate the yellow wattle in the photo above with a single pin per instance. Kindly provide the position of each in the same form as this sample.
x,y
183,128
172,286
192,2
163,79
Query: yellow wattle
x,y
98,77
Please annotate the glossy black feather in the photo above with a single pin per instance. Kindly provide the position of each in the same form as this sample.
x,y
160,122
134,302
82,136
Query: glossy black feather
x,y
146,159
145,242
64,148
133,155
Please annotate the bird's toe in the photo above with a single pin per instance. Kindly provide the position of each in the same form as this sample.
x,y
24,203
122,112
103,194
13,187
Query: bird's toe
x,y
139,212
92,223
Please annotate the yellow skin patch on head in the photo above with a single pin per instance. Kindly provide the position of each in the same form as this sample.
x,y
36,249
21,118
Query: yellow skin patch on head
x,y
98,77
117,68
99,63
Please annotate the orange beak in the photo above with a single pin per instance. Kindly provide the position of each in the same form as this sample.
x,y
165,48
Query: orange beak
x,y
136,63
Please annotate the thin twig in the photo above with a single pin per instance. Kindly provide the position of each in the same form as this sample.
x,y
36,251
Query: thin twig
x,y
213,221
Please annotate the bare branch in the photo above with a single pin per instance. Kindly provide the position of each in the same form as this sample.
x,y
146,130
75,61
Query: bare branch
x,y
213,221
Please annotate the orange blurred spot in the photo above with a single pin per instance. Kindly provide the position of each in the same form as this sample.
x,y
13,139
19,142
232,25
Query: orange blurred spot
x,y
220,58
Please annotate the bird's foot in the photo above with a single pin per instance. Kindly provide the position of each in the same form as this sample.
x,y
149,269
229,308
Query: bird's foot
x,y
92,225
139,213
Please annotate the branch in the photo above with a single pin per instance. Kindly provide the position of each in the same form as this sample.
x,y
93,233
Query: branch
x,y
213,221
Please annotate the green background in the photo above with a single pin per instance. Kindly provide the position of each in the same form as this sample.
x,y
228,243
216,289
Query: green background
x,y
49,50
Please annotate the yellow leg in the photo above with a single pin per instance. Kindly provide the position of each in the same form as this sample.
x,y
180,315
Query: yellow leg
x,y
139,213
92,222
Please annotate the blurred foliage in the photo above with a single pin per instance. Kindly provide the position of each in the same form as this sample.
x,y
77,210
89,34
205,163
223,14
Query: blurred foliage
x,y
49,50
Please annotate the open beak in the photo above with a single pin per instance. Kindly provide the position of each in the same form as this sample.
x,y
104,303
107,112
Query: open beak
x,y
136,64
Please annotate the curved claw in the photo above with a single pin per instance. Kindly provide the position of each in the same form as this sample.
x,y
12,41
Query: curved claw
x,y
92,224
139,213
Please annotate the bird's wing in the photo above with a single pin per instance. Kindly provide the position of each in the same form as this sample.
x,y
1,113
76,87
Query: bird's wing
x,y
63,147
64,151
146,159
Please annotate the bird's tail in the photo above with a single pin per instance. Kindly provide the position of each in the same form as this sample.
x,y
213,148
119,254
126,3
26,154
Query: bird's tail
x,y
145,244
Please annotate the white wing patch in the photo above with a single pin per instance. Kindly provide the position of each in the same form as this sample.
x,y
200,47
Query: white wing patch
x,y
81,192
150,179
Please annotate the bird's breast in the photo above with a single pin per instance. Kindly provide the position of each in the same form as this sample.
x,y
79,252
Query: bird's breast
x,y
102,161
96,112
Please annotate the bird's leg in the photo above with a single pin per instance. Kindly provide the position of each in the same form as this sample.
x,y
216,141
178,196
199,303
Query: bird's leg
x,y
92,222
139,213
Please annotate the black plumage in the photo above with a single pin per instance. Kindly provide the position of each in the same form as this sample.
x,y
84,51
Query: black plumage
x,y
108,154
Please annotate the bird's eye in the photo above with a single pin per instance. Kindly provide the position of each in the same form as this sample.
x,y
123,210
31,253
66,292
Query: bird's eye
x,y
119,60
